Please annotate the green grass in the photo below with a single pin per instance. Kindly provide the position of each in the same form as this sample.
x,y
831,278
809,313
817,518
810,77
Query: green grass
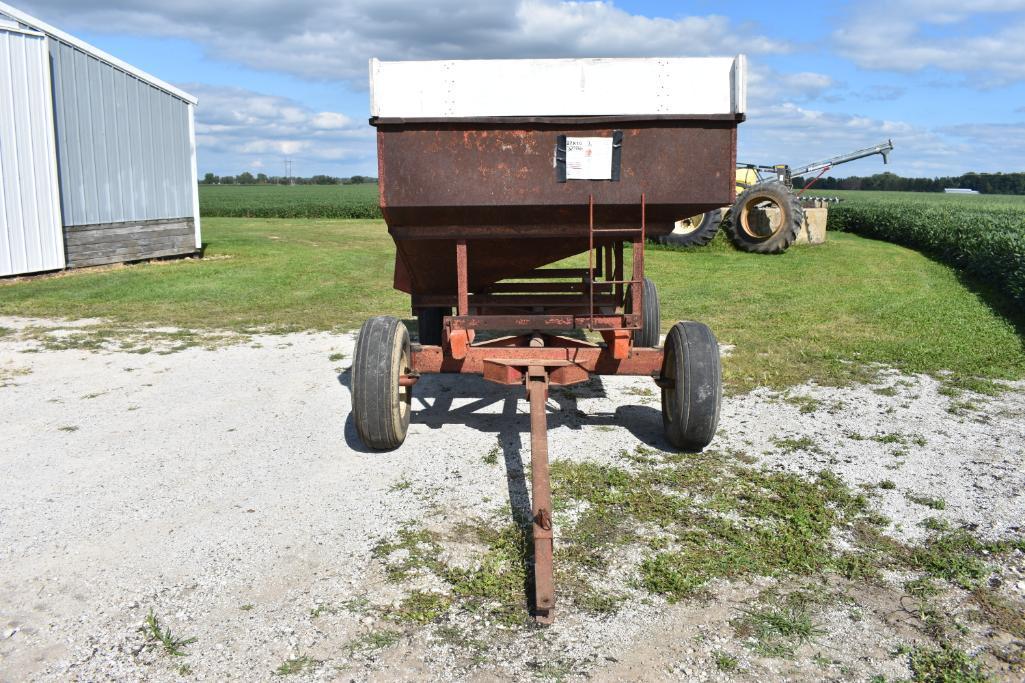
x,y
290,274
805,315
983,236
283,201
155,634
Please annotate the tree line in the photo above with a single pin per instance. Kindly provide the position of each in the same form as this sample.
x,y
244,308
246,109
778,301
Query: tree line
x,y
248,178
986,183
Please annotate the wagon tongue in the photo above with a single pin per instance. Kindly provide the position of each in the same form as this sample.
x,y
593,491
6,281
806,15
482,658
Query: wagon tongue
x,y
541,494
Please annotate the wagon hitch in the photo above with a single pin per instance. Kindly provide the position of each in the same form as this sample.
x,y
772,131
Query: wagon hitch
x,y
541,495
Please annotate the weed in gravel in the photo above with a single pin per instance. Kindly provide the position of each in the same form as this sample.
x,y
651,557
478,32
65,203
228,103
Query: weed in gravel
x,y
172,644
779,628
400,485
421,608
8,374
887,484
68,428
555,670
725,662
718,518
374,640
296,665
805,404
6,331
790,445
888,438
954,386
945,664
928,501
886,391
248,607
498,583
491,457
335,357
953,556
412,550
1002,613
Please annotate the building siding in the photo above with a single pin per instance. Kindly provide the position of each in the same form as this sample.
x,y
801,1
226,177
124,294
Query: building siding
x,y
124,153
30,222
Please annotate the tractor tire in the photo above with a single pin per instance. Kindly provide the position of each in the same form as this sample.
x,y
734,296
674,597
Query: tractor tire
x,y
696,231
651,316
429,325
755,230
691,381
380,407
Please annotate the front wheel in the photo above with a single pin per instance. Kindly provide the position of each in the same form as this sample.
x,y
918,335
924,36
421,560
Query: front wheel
x,y
691,381
380,405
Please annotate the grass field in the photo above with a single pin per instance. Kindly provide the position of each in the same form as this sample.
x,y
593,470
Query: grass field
x,y
814,313
295,201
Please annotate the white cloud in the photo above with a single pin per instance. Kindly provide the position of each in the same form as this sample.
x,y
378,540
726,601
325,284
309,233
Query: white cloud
x,y
909,35
333,40
238,129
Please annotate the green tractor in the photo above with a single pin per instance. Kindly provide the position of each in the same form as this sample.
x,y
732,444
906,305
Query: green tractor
x,y
767,215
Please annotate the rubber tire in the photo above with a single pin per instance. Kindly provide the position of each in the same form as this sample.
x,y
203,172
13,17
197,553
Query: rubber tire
x,y
380,407
791,220
699,236
651,316
429,325
690,407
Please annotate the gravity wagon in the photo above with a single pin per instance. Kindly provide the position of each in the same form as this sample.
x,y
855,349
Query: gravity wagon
x,y
492,171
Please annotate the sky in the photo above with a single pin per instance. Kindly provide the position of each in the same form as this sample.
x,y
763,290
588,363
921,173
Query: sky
x,y
944,79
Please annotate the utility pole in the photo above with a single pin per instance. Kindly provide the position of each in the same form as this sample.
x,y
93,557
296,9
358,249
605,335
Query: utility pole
x,y
288,172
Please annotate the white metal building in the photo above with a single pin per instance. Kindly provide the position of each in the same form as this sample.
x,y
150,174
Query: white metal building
x,y
97,158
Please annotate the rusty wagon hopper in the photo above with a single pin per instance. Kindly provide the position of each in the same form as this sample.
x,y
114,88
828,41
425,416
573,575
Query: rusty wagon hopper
x,y
492,170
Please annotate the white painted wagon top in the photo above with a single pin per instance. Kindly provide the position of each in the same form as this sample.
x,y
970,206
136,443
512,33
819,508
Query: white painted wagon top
x,y
43,27
678,86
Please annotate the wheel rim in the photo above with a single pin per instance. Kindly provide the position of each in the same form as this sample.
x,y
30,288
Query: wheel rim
x,y
761,217
405,393
686,226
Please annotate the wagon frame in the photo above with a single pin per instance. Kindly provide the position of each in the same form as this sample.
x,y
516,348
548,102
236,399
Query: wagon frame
x,y
477,213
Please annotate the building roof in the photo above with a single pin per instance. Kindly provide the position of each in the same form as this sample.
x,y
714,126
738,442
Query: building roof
x,y
43,27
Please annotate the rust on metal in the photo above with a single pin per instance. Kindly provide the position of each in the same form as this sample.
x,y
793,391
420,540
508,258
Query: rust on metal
x,y
597,360
540,494
491,183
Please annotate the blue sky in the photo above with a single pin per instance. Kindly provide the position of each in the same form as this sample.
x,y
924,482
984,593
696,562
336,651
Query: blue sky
x,y
944,79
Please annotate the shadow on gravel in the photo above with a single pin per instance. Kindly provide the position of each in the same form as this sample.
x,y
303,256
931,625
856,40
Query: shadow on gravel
x,y
434,395
433,405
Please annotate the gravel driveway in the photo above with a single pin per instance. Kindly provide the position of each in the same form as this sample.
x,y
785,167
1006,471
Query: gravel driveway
x,y
224,491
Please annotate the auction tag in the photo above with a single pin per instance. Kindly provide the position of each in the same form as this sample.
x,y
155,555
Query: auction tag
x,y
588,158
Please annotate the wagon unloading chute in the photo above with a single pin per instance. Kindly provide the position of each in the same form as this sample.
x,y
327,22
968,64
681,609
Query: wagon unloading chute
x,y
492,170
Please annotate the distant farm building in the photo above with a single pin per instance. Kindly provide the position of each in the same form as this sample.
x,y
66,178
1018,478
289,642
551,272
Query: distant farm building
x,y
97,158
959,190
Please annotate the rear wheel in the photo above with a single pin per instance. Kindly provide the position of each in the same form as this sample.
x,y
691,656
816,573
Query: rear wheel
x,y
765,219
429,325
696,231
380,407
651,315
691,382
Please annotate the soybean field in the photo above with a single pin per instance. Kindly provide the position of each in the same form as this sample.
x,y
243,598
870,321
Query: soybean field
x,y
290,201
